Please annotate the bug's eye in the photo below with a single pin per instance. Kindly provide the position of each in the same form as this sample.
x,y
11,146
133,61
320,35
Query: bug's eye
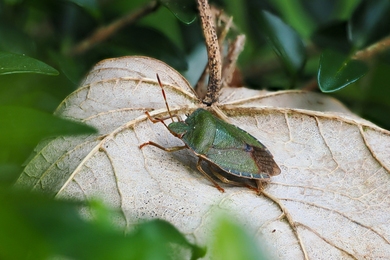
x,y
248,148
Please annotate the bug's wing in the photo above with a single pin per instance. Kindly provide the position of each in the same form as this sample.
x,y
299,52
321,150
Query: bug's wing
x,y
254,164
265,161
237,152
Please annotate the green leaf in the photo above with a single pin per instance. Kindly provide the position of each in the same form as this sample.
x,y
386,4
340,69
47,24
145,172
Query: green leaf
x,y
71,67
17,63
285,41
25,126
142,40
34,226
294,14
231,242
369,23
337,71
14,39
90,6
333,36
184,10
161,235
9,172
17,229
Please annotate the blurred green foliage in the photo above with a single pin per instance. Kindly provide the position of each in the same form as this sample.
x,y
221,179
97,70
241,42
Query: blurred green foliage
x,y
290,44
233,242
34,226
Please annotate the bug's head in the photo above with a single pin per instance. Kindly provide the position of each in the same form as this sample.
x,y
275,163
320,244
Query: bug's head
x,y
178,129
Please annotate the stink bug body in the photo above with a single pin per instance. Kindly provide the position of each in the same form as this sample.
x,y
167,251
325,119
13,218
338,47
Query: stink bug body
x,y
227,148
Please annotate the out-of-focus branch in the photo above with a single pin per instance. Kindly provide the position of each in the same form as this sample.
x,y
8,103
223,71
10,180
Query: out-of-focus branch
x,y
230,62
103,33
373,50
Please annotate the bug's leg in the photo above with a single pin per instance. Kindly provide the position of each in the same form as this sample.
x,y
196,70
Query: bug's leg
x,y
199,167
224,179
155,120
167,149
260,186
161,120
177,117
231,182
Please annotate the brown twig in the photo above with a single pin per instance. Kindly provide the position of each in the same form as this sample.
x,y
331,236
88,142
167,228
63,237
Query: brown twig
x,y
230,62
373,49
105,32
311,85
214,59
219,16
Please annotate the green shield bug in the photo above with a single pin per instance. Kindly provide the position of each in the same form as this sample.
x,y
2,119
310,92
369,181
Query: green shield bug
x,y
229,150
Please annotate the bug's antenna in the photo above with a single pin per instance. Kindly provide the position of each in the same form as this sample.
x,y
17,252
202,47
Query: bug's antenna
x,y
165,98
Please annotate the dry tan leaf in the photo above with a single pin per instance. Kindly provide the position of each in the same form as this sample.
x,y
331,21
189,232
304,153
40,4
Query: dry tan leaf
x,y
331,200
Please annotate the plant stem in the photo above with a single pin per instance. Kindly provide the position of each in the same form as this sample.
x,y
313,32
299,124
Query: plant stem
x,y
103,33
214,59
